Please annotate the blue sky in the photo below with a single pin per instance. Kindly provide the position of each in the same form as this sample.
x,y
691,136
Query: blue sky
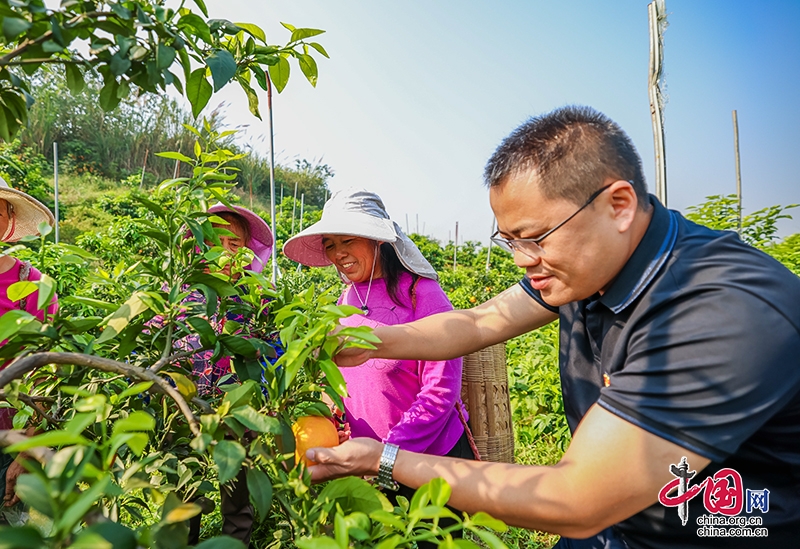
x,y
417,94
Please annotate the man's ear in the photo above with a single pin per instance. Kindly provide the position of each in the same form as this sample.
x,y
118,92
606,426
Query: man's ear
x,y
624,203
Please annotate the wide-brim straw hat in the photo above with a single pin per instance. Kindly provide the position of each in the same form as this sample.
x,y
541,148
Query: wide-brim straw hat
x,y
28,213
261,239
356,212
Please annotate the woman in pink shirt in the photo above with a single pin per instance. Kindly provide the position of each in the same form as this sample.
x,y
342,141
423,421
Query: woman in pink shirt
x,y
20,216
415,405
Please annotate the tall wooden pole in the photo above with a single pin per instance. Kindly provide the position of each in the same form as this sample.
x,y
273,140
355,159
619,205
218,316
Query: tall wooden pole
x,y
657,15
274,278
738,167
55,184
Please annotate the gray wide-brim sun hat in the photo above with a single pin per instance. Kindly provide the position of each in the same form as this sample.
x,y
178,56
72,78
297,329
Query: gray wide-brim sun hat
x,y
356,212
28,214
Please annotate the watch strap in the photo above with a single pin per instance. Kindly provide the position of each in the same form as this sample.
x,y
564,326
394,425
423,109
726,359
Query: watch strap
x,y
386,467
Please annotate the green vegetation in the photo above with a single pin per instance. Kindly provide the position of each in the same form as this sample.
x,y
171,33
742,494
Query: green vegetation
x,y
111,223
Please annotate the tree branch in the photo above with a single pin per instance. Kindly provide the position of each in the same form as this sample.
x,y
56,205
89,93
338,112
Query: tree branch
x,y
27,44
22,366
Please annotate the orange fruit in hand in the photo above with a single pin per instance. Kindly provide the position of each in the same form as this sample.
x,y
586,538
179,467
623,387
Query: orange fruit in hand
x,y
313,432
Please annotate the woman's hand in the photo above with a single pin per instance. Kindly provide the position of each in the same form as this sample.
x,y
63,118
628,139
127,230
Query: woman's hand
x,y
356,457
12,474
352,357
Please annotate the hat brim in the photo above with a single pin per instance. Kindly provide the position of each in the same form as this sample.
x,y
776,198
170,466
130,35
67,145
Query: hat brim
x,y
28,214
306,247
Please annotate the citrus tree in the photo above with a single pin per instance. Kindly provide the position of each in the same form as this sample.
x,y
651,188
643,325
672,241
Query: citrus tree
x,y
126,449
140,46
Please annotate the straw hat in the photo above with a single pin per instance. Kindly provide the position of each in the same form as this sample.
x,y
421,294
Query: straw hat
x,y
356,212
27,213
261,240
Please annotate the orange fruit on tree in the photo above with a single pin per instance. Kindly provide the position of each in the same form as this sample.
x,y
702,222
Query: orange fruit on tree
x,y
313,432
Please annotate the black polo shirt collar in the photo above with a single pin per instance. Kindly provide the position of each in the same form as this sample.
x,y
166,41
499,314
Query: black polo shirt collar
x,y
647,260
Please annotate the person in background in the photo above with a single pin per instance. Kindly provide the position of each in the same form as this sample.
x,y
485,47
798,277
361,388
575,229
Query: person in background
x,y
20,216
679,363
247,230
411,404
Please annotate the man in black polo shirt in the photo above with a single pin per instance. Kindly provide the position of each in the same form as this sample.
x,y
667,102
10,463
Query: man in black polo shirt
x,y
679,356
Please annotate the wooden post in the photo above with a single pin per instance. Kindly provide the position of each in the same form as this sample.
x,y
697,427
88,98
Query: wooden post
x,y
657,15
489,251
144,166
455,248
738,167
55,184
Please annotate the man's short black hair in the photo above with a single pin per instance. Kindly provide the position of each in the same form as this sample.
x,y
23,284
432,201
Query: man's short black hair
x,y
573,151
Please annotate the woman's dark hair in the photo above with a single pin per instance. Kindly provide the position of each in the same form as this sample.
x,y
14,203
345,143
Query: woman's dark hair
x,y
391,269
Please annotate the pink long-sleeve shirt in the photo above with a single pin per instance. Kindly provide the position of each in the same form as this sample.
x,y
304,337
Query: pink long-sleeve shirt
x,y
7,279
405,402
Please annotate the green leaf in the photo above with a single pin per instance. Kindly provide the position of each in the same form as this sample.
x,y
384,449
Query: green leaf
x,y
318,543
117,535
488,521
302,34
198,25
279,74
136,421
88,498
198,91
238,345
440,491
21,289
309,68
122,317
13,321
182,512
173,155
32,490
47,290
50,439
252,99
250,418
186,386
253,30
355,494
14,26
240,395
222,66
229,456
135,389
90,302
319,48
202,5
20,537
490,539
108,95
221,542
165,55
119,64
75,81
260,488
334,376
208,337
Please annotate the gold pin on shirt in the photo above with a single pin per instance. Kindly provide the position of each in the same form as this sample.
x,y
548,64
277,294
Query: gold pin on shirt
x,y
606,380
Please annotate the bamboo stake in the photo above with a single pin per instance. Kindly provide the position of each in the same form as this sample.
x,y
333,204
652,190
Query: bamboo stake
x,y
738,167
274,278
55,184
455,248
657,16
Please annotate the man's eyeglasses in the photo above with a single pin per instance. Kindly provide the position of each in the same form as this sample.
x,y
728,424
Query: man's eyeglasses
x,y
531,246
